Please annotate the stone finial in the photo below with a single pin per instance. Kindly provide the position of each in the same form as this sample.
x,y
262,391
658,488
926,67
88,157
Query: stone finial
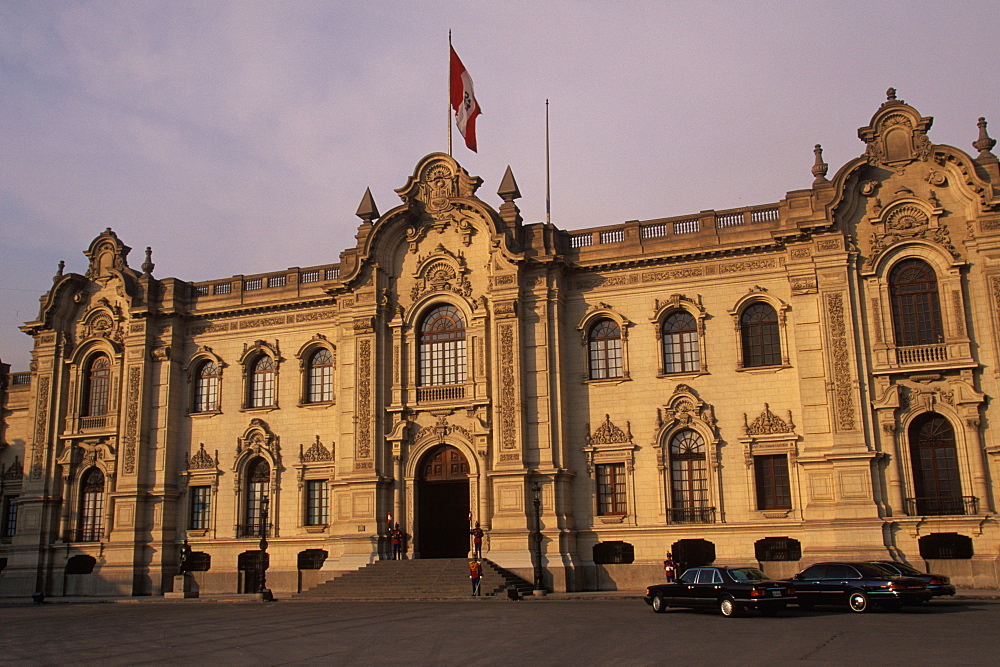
x,y
890,95
367,210
508,186
148,266
59,271
819,167
984,144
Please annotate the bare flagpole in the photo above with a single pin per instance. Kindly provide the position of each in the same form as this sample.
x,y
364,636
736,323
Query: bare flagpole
x,y
548,180
449,92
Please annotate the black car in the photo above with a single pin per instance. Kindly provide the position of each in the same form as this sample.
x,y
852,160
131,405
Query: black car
x,y
858,585
937,584
728,589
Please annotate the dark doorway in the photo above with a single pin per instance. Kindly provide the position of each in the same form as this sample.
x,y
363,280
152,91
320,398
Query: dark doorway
x,y
692,553
443,504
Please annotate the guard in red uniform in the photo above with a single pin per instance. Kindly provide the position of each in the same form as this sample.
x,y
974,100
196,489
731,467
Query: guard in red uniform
x,y
477,541
475,574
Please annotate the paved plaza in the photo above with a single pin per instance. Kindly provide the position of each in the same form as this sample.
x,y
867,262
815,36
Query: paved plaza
x,y
474,632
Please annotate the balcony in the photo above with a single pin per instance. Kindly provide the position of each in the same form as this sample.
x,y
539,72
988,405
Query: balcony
x,y
942,506
90,423
921,354
691,515
244,530
453,392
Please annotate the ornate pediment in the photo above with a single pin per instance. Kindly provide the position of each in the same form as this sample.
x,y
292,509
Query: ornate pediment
x,y
316,453
202,460
258,440
897,134
609,434
441,271
768,423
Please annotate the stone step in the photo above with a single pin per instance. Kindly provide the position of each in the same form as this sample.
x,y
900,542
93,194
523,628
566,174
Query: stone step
x,y
415,579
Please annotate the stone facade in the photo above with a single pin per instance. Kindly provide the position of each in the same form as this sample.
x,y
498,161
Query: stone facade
x,y
783,383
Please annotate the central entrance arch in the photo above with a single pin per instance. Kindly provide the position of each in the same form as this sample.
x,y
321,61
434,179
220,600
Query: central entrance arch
x,y
443,504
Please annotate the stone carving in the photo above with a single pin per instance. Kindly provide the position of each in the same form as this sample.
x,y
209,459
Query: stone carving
x,y
202,460
14,472
768,423
41,415
258,439
316,453
609,434
131,419
441,271
363,445
841,358
508,387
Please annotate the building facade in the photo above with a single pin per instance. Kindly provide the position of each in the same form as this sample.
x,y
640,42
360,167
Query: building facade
x,y
784,383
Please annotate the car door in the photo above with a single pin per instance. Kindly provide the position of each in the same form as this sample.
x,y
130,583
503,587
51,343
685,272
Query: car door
x,y
839,579
681,592
809,583
704,592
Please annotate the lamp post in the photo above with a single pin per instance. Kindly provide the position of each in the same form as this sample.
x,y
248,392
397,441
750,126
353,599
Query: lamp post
x,y
536,492
262,570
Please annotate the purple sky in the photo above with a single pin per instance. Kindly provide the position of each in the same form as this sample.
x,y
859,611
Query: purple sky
x,y
239,137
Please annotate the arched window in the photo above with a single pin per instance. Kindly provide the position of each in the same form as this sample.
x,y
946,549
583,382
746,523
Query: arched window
x,y
605,342
937,483
442,347
91,506
759,336
97,387
688,479
916,313
680,343
206,388
262,382
258,484
319,383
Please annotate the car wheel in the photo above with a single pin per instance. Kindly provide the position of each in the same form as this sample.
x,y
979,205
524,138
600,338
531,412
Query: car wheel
x,y
659,606
857,601
727,607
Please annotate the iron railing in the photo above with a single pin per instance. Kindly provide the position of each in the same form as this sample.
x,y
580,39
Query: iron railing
x,y
943,505
691,515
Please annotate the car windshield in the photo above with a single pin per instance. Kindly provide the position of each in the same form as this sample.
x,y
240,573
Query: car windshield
x,y
748,574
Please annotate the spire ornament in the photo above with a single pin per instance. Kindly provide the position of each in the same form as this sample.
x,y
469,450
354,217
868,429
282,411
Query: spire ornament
x,y
984,144
819,168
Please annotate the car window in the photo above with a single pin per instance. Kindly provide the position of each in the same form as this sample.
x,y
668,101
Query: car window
x,y
814,572
906,569
837,571
689,576
875,571
891,567
716,577
747,574
705,576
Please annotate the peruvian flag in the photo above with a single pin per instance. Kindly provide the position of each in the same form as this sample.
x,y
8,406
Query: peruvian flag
x,y
463,101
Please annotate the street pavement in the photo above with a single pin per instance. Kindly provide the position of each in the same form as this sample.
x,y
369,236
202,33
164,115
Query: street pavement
x,y
557,630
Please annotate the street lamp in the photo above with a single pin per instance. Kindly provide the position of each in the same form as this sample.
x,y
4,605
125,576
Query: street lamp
x,y
536,492
262,570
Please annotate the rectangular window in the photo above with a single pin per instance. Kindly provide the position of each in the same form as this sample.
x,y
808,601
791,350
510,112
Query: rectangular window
x,y
773,489
9,516
201,507
611,489
317,502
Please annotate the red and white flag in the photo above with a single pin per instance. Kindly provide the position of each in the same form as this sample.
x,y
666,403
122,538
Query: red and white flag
x,y
463,101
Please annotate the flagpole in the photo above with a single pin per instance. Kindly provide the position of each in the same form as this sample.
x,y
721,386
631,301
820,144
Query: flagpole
x,y
449,92
548,180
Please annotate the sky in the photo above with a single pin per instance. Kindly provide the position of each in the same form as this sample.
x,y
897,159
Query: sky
x,y
239,137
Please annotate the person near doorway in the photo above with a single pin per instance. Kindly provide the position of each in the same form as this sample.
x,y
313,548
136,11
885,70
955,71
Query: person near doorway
x,y
669,568
396,536
475,575
477,541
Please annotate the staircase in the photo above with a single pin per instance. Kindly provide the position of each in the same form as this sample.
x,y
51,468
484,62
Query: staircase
x,y
427,579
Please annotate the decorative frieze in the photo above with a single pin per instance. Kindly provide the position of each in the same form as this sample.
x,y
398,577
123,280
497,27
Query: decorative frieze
x,y
41,422
363,444
131,419
508,389
840,357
